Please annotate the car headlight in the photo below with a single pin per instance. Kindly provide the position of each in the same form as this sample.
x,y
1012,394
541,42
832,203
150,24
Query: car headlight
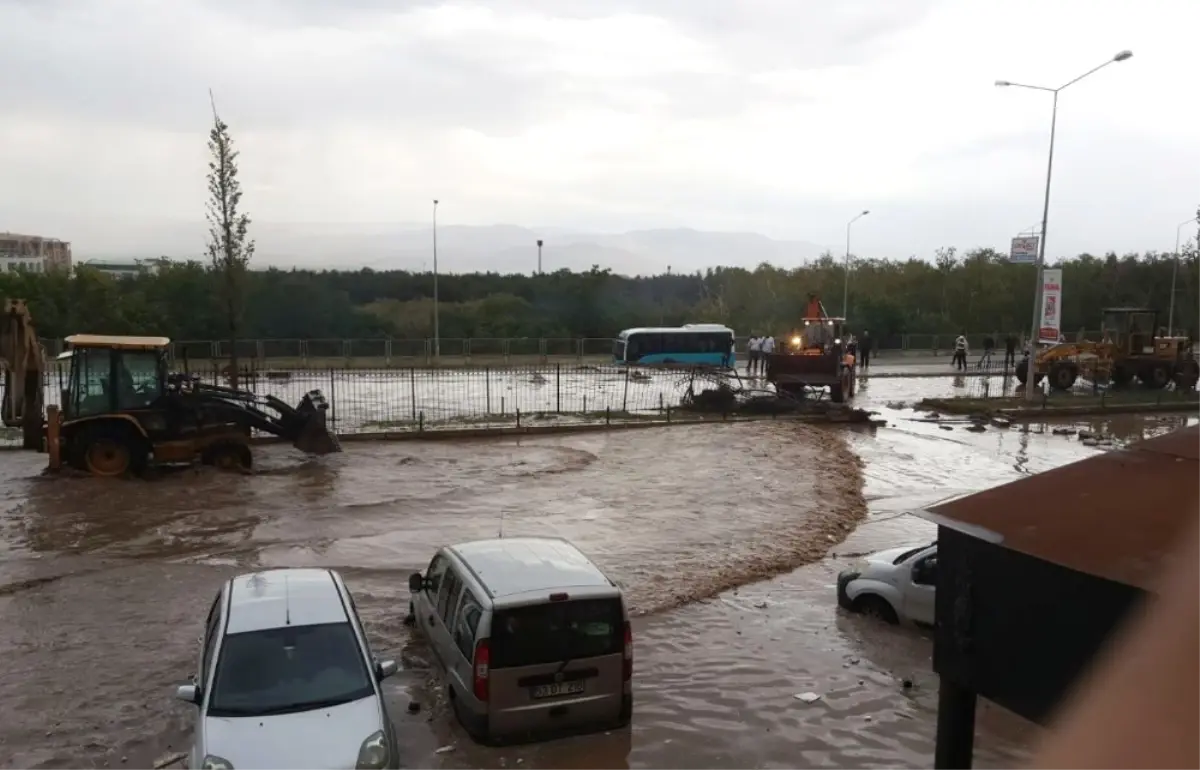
x,y
373,754
213,762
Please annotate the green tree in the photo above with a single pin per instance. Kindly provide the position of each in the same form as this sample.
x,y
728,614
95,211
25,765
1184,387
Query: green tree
x,y
229,248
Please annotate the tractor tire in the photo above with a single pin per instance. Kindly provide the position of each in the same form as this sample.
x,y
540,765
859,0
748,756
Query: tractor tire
x,y
1187,374
1156,375
1063,375
1121,376
1022,372
836,394
110,451
228,456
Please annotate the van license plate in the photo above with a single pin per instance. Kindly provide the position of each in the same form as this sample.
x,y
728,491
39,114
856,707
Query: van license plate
x,y
554,690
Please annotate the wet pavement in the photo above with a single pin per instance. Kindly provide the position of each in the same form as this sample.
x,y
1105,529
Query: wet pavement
x,y
104,584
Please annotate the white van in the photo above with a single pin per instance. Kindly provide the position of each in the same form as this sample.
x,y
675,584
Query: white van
x,y
533,637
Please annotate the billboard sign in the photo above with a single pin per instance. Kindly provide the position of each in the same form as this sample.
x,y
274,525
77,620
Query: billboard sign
x,y
1051,325
1024,250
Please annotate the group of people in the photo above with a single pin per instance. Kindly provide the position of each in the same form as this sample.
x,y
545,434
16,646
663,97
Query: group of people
x,y
759,347
962,350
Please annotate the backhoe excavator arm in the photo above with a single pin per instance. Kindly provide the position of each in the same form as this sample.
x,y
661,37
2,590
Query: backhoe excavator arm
x,y
23,361
304,425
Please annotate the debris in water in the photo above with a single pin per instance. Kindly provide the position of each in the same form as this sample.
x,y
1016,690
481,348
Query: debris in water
x,y
445,749
760,606
413,707
946,427
976,428
807,697
1063,431
1001,422
1090,442
1084,435
907,684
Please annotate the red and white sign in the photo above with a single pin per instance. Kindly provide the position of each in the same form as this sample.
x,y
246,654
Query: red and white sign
x,y
1051,325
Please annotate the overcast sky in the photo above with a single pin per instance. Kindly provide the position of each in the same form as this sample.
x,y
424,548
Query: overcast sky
x,y
783,117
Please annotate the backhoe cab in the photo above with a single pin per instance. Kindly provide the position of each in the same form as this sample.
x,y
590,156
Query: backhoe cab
x,y
813,357
122,410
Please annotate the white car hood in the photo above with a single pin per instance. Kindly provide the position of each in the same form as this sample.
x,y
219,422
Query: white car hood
x,y
324,738
885,558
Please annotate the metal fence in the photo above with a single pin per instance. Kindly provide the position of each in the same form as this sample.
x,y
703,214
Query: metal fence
x,y
381,353
400,399
996,378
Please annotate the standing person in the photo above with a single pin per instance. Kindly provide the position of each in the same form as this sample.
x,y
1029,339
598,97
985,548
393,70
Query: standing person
x,y
989,344
960,352
1010,350
768,347
864,349
753,350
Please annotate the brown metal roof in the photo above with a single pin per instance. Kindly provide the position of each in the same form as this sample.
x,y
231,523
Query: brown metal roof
x,y
1115,515
117,341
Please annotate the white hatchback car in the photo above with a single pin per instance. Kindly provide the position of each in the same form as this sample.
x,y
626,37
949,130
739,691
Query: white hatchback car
x,y
893,585
286,678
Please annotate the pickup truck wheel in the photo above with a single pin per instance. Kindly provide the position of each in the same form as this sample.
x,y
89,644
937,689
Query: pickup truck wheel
x,y
876,607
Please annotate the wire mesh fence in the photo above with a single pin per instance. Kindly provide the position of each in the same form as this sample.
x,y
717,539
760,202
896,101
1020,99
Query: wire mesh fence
x,y
418,398
401,353
996,377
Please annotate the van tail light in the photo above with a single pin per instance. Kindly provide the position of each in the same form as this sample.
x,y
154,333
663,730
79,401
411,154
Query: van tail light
x,y
483,657
627,671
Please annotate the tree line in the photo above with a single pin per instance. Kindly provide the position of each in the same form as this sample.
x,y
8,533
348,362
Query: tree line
x,y
977,291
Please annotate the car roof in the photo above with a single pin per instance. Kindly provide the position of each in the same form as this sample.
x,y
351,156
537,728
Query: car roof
x,y
284,597
515,565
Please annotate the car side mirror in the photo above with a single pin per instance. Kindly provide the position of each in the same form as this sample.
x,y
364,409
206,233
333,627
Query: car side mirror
x,y
416,583
188,693
385,668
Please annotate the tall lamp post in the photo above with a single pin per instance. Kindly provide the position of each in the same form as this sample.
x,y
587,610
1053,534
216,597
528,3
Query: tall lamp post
x,y
846,284
539,256
1041,257
437,338
1174,274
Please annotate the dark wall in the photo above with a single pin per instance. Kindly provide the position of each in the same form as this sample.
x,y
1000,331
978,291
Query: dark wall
x,y
1016,629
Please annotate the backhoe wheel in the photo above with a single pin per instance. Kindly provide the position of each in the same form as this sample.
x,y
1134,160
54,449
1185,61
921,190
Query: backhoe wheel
x,y
1022,372
836,394
1187,374
1063,375
229,456
1156,375
110,451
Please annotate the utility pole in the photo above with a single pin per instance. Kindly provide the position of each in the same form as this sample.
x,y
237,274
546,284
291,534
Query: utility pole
x,y
437,339
539,256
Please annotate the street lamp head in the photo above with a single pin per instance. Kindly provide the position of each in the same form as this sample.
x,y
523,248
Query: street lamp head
x,y
865,212
1123,55
435,201
539,243
1002,83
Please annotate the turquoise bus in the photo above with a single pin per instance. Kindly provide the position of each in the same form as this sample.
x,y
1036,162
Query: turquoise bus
x,y
688,345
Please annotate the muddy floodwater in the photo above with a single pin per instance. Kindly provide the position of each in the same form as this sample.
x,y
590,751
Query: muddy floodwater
x,y
727,537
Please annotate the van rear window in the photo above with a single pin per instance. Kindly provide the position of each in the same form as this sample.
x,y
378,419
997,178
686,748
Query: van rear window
x,y
556,631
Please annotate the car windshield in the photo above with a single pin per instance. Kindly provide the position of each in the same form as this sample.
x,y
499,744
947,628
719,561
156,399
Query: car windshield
x,y
557,631
911,552
288,669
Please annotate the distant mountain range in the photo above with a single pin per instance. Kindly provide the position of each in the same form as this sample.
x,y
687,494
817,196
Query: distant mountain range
x,y
461,248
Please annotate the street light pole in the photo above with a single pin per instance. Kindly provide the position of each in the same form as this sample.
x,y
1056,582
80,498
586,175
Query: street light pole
x,y
1174,274
846,283
1035,325
539,256
437,339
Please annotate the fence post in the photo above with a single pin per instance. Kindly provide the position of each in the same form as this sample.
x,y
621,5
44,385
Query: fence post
x,y
518,417
558,388
668,415
585,411
387,352
420,422
487,387
332,400
412,389
625,398
579,350
608,415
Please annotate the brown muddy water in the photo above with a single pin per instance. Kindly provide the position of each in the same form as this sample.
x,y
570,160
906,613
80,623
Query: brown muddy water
x,y
104,584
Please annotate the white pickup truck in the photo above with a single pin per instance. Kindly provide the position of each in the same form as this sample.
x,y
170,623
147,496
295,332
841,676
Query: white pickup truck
x,y
894,585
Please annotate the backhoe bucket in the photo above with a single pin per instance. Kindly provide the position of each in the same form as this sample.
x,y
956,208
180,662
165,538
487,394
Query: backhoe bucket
x,y
314,436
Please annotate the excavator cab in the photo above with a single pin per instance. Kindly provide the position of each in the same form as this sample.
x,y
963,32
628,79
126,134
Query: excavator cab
x,y
122,409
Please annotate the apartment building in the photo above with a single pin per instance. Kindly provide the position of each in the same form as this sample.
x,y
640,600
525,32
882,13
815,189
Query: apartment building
x,y
33,252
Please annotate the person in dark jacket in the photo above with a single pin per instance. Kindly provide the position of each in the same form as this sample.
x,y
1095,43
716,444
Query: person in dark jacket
x,y
864,349
1010,350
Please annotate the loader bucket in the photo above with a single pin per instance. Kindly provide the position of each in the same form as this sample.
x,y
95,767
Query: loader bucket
x,y
314,436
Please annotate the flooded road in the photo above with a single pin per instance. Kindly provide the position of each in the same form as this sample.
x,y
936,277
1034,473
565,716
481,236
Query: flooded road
x,y
104,584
